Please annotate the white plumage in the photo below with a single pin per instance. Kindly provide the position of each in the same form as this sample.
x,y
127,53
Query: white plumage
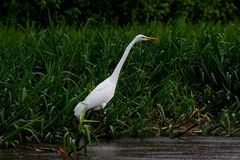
x,y
103,93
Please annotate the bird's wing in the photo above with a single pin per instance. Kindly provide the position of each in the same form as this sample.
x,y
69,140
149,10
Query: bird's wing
x,y
103,85
102,94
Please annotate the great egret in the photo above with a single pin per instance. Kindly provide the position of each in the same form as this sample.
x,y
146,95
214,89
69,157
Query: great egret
x,y
104,92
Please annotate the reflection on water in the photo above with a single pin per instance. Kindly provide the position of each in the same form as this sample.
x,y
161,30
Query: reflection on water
x,y
146,148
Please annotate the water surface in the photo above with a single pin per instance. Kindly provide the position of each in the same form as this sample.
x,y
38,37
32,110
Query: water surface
x,y
146,149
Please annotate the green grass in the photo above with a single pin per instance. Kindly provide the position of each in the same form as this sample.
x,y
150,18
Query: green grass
x,y
189,77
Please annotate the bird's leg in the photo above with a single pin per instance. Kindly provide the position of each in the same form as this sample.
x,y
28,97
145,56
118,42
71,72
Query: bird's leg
x,y
98,114
84,146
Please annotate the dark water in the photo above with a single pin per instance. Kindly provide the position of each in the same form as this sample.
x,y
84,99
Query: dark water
x,y
146,149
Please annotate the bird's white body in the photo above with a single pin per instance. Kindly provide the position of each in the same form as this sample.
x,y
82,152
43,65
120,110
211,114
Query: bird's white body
x,y
98,98
101,95
104,92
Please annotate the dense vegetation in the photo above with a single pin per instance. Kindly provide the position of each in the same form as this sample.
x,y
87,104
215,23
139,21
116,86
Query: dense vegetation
x,y
188,81
123,12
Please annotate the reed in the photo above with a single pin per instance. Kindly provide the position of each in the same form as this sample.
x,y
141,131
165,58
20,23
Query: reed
x,y
189,77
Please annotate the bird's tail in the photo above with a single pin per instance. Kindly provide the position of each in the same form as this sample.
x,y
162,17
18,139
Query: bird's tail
x,y
79,109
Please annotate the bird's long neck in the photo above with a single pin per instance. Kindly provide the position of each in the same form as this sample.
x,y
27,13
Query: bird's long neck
x,y
118,68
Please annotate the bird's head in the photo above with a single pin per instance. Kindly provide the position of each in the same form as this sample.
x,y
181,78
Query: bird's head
x,y
141,37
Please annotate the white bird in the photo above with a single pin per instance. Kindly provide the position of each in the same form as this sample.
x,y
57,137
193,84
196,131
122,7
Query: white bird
x,y
104,92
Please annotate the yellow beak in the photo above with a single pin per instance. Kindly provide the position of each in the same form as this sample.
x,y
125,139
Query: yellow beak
x,y
151,38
